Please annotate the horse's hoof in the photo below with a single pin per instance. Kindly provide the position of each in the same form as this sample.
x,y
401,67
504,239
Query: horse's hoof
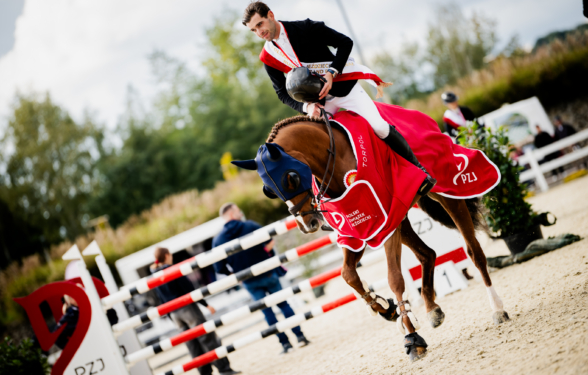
x,y
390,314
417,353
500,317
415,346
436,317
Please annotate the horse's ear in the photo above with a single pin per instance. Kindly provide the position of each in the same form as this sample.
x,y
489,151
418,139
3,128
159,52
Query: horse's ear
x,y
269,192
246,164
274,151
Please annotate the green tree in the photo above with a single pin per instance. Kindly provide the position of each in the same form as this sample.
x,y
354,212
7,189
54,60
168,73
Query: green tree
x,y
195,119
457,45
405,70
50,167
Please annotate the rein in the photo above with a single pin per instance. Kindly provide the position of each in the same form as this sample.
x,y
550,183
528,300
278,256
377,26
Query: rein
x,y
315,200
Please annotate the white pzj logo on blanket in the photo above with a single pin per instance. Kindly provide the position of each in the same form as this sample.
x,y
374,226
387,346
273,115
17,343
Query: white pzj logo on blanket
x,y
339,223
465,177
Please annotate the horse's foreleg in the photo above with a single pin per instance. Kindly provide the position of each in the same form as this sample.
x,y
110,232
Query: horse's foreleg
x,y
407,324
426,256
457,209
376,304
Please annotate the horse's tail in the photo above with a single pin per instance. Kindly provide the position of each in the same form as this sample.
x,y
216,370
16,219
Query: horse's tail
x,y
438,213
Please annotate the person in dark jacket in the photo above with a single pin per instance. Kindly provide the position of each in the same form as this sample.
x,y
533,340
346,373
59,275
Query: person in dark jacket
x,y
562,130
258,286
189,316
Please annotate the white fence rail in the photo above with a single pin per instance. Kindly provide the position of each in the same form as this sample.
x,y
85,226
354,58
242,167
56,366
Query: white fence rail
x,y
536,172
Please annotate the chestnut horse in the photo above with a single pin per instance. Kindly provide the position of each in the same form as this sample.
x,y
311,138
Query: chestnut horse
x,y
307,140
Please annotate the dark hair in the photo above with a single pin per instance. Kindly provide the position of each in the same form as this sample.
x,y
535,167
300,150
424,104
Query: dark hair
x,y
225,207
258,7
160,254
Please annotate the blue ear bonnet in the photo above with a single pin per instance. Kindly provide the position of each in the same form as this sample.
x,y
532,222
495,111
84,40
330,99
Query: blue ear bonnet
x,y
274,166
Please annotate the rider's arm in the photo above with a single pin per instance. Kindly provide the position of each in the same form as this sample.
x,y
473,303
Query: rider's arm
x,y
330,37
279,82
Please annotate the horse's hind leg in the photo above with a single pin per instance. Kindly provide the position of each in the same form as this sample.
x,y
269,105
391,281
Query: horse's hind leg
x,y
457,209
407,324
426,256
376,304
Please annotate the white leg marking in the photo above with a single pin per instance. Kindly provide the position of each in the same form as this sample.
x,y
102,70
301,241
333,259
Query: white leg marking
x,y
495,301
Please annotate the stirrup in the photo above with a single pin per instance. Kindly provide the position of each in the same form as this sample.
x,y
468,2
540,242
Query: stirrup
x,y
427,185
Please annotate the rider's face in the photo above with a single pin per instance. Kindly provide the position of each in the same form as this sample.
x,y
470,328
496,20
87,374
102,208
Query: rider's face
x,y
265,28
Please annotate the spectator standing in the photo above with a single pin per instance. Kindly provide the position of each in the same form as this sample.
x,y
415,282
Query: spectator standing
x,y
543,139
258,286
562,130
455,115
189,316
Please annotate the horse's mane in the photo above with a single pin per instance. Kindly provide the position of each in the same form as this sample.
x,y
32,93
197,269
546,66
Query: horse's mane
x,y
285,122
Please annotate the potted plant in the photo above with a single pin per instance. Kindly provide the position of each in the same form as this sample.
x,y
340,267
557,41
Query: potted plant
x,y
508,215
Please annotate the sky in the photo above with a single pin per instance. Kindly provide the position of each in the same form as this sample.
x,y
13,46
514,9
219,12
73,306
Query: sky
x,y
86,53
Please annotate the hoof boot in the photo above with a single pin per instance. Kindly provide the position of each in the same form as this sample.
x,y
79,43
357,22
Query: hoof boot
x,y
415,346
436,317
390,314
500,317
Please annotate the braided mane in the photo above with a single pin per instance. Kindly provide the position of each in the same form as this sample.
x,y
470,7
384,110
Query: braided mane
x,y
285,122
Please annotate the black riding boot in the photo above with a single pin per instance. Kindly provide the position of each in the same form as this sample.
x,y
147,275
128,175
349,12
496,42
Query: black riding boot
x,y
399,145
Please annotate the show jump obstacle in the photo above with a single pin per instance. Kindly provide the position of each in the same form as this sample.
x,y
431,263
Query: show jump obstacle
x,y
93,348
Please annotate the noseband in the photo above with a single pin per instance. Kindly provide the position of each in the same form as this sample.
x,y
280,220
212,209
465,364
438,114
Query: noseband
x,y
315,200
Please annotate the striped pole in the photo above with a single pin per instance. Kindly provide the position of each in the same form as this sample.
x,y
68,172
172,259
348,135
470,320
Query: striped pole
x,y
289,323
225,283
199,261
242,312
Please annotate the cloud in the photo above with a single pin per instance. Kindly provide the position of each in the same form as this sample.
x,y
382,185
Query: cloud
x,y
87,53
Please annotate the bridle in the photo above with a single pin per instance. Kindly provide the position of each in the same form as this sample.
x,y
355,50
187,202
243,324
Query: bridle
x,y
316,200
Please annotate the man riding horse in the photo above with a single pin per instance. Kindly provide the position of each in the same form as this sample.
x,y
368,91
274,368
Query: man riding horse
x,y
306,43
366,188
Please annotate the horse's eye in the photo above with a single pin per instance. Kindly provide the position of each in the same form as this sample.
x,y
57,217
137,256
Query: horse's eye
x,y
291,181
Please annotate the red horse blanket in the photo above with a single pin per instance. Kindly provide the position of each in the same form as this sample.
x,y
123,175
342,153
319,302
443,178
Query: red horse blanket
x,y
380,191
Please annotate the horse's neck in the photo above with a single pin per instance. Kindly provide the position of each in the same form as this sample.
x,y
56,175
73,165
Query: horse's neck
x,y
311,142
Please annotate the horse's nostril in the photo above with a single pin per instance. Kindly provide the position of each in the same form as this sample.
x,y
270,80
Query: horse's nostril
x,y
314,224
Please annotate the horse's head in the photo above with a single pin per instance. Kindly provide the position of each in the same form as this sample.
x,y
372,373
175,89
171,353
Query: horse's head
x,y
289,179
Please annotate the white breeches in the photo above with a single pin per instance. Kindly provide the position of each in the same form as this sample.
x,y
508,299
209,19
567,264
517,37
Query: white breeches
x,y
359,102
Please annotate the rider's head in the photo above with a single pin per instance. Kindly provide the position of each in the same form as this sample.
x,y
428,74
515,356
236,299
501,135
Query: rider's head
x,y
261,20
450,99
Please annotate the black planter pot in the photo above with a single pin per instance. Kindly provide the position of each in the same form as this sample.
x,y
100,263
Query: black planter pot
x,y
517,243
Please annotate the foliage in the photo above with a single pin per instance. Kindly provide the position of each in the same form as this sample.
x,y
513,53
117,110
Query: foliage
x,y
18,238
558,35
23,358
508,213
457,46
50,172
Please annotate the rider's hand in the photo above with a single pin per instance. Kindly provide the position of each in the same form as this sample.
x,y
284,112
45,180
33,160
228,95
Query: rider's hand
x,y
327,87
314,109
211,309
